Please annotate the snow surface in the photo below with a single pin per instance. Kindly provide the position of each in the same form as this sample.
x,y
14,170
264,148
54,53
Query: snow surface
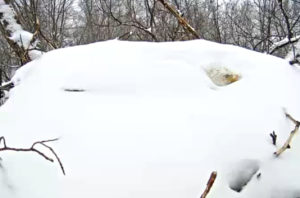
x,y
148,122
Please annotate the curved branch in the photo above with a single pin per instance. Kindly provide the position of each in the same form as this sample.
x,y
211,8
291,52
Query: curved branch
x,y
32,149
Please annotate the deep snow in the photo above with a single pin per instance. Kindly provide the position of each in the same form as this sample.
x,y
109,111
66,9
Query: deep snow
x,y
149,122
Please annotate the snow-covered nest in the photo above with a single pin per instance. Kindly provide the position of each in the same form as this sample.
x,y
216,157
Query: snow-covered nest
x,y
144,120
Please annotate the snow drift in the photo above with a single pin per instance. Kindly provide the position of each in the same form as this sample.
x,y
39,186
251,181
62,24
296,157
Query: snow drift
x,y
139,120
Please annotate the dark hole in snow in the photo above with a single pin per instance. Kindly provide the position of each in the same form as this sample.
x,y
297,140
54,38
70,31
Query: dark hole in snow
x,y
242,173
74,90
1,15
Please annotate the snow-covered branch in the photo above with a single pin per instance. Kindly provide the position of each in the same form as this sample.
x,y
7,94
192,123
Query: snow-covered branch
x,y
284,42
7,86
21,41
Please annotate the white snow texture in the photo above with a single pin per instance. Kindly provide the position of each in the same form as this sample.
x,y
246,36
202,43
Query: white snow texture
x,y
143,120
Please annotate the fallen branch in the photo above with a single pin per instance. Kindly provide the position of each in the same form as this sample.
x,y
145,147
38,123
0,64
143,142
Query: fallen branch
x,y
32,149
289,140
187,27
210,183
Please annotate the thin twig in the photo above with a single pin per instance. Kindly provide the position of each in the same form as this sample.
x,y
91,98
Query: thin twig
x,y
56,156
210,183
288,25
32,149
44,141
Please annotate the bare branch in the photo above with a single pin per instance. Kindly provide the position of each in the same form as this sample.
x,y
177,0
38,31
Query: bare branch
x,y
48,41
181,20
56,156
34,36
289,140
292,119
210,183
32,149
44,141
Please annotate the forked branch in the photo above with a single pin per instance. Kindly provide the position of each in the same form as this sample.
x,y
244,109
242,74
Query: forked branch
x,y
33,149
289,140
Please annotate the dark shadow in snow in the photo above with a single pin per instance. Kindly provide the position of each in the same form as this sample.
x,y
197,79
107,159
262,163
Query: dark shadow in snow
x,y
73,90
242,173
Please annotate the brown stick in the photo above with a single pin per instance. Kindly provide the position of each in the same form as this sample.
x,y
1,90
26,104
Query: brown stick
x,y
181,20
210,183
32,149
289,140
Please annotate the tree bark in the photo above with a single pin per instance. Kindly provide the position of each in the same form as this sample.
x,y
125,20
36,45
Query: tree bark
x,y
187,27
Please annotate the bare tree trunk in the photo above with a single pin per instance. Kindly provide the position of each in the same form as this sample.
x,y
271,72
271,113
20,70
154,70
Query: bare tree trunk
x,y
15,36
187,27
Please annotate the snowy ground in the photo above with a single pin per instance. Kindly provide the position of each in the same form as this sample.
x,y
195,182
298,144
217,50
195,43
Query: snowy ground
x,y
146,121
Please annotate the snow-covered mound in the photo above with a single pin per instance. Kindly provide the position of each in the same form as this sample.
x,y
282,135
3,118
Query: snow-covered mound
x,y
144,120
